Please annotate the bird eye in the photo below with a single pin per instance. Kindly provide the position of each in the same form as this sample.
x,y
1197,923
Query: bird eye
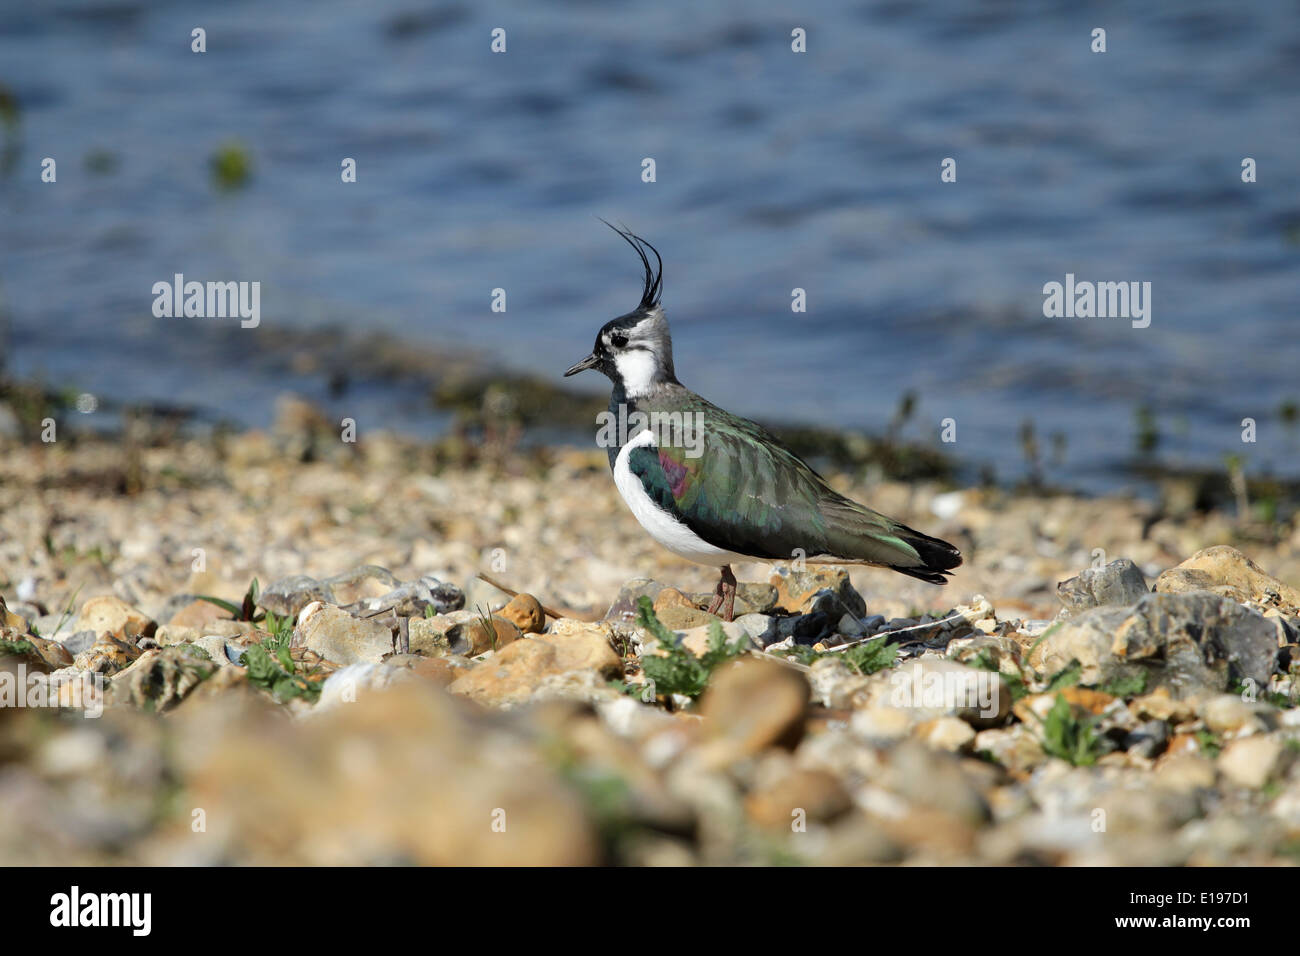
x,y
618,340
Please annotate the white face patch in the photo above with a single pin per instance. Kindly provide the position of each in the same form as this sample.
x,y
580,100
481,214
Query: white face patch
x,y
642,354
638,369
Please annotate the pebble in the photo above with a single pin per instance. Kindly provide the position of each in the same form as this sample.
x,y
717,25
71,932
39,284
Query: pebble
x,y
1016,747
438,670
289,596
429,635
11,618
77,642
1118,583
796,590
697,639
679,617
107,655
337,636
755,626
40,655
1184,772
158,680
348,684
872,623
800,795
1252,761
401,775
108,615
525,613
625,604
580,646
751,598
1228,572
196,615
947,733
930,687
751,705
880,725
1230,716
513,676
1148,740
478,636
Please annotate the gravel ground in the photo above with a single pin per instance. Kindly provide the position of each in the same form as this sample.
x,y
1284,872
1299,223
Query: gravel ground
x,y
1104,681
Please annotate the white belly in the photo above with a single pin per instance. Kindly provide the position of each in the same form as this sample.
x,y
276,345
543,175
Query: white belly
x,y
663,527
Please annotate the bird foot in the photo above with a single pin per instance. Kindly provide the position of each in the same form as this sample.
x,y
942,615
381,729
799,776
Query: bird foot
x,y
724,595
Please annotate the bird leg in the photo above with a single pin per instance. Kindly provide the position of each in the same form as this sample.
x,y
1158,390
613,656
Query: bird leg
x,y
724,595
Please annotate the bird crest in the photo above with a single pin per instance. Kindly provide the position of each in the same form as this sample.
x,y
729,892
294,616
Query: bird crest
x,y
654,275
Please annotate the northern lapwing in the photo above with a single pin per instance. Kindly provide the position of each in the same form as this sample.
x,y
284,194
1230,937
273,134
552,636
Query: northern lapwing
x,y
715,488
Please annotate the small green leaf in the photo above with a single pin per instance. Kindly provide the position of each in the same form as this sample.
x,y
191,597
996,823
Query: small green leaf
x,y
871,656
678,671
1067,677
1071,738
224,605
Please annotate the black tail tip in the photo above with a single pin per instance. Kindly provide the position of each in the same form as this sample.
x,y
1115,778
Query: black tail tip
x,y
924,574
939,558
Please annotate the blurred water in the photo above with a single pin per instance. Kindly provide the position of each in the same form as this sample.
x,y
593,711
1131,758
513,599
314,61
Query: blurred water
x,y
775,171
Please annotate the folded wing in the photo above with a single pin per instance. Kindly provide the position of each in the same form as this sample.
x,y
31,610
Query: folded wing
x,y
745,492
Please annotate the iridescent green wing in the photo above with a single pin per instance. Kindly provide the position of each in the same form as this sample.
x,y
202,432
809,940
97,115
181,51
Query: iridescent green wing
x,y
741,490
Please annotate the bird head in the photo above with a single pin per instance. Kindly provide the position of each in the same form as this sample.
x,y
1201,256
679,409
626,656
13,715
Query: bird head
x,y
635,351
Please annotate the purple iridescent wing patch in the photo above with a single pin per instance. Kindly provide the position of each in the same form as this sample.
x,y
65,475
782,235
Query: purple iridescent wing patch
x,y
675,472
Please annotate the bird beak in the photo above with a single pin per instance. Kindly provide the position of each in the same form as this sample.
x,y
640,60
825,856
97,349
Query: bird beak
x,y
588,362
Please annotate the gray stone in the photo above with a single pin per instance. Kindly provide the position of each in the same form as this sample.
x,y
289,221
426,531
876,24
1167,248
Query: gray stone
x,y
898,623
290,595
215,647
1118,583
805,629
849,626
409,599
872,624
48,625
624,606
78,642
755,625
431,636
1185,642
